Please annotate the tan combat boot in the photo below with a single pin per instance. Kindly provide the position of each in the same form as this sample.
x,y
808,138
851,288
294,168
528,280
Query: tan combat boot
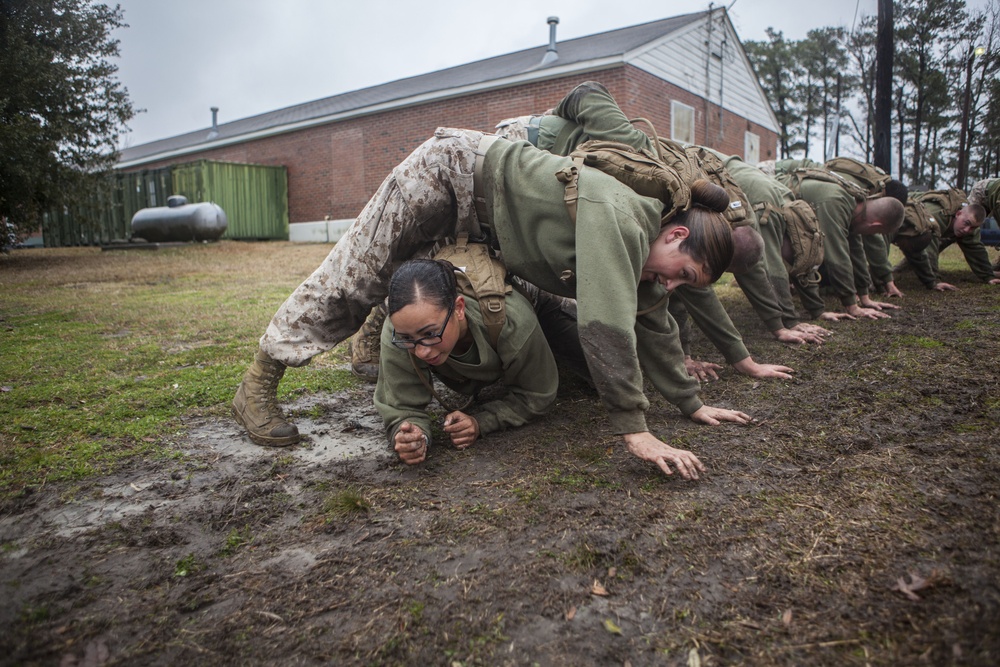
x,y
256,404
365,345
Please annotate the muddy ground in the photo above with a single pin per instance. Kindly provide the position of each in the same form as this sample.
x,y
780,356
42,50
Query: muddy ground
x,y
550,544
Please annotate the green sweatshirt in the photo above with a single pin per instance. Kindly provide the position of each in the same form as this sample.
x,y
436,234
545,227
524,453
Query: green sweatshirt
x,y
522,360
599,262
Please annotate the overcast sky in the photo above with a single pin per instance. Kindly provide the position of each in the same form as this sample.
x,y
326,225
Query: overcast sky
x,y
181,57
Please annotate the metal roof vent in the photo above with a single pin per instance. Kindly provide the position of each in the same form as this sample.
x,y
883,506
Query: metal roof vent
x,y
551,55
214,132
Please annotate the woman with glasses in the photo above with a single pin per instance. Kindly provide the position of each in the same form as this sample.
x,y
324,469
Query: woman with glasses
x,y
435,332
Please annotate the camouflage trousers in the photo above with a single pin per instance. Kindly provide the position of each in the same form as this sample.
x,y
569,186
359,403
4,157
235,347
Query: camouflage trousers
x,y
427,198
515,129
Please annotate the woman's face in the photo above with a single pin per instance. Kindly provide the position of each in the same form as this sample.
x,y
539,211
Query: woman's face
x,y
424,319
670,266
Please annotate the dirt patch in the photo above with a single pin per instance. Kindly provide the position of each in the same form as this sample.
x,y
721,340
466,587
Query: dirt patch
x,y
551,544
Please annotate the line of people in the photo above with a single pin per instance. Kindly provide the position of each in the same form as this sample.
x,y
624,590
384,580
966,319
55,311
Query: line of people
x,y
604,274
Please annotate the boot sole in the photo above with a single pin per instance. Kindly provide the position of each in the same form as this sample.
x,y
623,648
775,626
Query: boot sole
x,y
264,440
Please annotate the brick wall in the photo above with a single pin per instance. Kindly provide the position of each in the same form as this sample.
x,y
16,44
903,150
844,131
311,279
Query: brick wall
x,y
334,169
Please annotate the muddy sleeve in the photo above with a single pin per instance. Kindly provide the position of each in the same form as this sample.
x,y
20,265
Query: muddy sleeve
x,y
592,107
976,256
531,378
711,317
615,341
399,394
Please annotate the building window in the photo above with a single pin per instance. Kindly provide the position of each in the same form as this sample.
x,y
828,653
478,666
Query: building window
x,y
751,148
681,122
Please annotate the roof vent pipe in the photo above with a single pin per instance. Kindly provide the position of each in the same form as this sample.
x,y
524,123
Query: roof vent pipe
x,y
214,132
551,55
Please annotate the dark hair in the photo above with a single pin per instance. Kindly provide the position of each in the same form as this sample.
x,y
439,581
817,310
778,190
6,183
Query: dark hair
x,y
748,248
897,190
428,280
709,195
710,241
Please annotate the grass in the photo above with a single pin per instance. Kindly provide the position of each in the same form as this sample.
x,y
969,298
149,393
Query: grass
x,y
104,353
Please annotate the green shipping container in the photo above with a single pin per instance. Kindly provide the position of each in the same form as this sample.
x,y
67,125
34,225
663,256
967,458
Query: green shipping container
x,y
254,196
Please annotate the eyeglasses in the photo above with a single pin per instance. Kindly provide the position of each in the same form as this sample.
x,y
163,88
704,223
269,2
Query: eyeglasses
x,y
426,341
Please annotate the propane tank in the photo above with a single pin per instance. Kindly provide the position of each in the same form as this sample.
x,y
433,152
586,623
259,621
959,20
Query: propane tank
x,y
180,221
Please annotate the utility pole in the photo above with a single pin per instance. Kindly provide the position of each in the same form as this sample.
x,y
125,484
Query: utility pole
x,y
883,87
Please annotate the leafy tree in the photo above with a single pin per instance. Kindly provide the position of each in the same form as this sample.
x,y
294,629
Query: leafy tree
x,y
62,107
776,69
925,31
824,59
860,46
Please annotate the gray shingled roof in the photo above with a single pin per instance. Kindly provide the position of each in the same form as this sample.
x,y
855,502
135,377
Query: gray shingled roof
x,y
571,52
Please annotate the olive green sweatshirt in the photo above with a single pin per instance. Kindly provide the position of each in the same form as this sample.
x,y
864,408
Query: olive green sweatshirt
x,y
522,360
598,261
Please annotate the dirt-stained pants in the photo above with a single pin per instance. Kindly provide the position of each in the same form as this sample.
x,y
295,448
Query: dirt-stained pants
x,y
423,201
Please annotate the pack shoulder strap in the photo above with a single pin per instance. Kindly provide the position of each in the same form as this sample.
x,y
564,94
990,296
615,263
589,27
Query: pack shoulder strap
x,y
482,277
794,181
478,191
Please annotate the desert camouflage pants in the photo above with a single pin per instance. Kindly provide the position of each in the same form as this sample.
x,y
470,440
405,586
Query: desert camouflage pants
x,y
425,199
515,129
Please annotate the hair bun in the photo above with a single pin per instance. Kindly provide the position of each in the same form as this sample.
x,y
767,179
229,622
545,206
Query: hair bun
x,y
709,195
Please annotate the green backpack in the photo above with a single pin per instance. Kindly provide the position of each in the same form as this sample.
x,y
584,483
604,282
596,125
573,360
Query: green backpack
x,y
646,173
715,170
793,181
917,220
871,177
950,200
802,228
483,277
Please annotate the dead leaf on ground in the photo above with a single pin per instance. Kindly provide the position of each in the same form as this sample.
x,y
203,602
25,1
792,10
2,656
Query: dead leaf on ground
x,y
694,660
610,626
612,572
597,589
571,613
786,618
917,583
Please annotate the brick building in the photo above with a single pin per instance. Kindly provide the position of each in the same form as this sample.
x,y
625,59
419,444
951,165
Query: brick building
x,y
688,74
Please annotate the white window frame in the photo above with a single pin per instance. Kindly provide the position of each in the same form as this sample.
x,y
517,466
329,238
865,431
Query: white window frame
x,y
677,130
751,148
